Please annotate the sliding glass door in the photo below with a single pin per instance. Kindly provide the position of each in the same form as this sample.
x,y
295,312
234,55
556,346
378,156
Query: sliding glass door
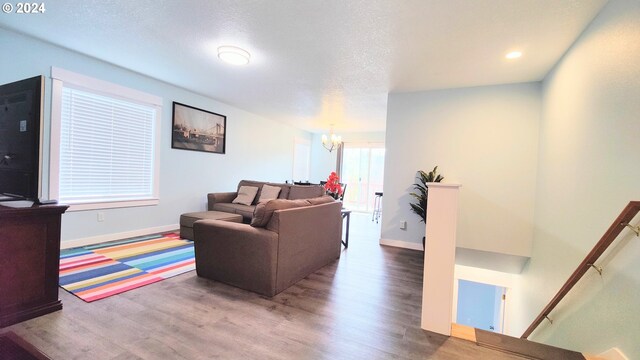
x,y
363,172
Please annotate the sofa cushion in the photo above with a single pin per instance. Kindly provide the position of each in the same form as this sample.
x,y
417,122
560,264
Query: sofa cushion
x,y
269,192
188,219
255,183
246,194
305,192
321,200
264,211
235,208
246,212
284,188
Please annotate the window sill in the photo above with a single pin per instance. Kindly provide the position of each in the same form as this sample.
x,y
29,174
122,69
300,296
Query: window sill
x,y
112,204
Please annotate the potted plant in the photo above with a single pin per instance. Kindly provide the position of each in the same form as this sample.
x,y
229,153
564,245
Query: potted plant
x,y
421,192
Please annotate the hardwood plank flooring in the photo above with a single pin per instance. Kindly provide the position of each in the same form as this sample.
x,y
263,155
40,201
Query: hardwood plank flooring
x,y
366,305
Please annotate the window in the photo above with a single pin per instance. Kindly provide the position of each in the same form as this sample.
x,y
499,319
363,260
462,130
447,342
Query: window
x,y
103,143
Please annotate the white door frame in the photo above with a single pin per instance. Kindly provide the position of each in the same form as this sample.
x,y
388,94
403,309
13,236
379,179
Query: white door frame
x,y
484,276
363,145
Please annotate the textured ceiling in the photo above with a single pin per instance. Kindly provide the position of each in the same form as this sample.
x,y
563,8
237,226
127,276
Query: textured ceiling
x,y
316,63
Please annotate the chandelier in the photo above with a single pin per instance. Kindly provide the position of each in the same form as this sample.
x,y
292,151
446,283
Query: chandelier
x,y
332,141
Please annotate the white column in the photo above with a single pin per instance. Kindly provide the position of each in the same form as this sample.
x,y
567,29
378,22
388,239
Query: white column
x,y
440,256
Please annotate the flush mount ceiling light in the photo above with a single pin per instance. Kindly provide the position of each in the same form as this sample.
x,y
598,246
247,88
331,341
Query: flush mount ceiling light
x,y
233,55
513,55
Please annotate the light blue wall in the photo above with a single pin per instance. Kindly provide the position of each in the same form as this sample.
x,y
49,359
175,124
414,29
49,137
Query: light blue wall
x,y
485,138
477,306
257,148
589,170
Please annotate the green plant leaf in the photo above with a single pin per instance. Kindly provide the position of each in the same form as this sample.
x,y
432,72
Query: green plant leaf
x,y
421,191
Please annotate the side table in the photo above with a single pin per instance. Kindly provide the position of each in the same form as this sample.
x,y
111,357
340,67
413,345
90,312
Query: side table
x,y
346,214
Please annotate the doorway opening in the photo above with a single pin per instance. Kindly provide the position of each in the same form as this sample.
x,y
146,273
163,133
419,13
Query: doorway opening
x,y
301,159
362,169
481,306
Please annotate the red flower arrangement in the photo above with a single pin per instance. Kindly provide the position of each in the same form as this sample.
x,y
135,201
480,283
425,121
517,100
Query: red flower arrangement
x,y
333,187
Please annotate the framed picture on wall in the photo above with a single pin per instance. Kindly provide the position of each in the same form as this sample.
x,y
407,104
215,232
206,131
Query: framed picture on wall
x,y
198,130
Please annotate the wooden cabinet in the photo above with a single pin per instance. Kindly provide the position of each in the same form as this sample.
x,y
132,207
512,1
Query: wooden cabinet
x,y
29,261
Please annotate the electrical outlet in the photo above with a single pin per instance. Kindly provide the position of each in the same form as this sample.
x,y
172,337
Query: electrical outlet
x,y
100,217
403,225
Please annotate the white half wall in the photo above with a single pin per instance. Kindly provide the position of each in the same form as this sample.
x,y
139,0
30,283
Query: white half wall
x,y
589,170
440,258
257,148
485,138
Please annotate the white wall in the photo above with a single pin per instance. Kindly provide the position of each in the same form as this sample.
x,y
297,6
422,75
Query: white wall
x,y
323,162
589,170
486,139
257,148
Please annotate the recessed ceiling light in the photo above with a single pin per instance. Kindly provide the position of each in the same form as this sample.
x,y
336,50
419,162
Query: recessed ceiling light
x,y
233,55
513,55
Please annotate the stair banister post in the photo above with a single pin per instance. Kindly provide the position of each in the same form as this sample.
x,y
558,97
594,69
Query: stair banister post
x,y
439,258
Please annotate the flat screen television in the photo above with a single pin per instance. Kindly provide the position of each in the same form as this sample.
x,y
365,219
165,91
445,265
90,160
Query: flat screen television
x,y
21,138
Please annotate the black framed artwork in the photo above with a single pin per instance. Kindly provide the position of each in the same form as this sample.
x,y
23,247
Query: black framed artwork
x,y
198,130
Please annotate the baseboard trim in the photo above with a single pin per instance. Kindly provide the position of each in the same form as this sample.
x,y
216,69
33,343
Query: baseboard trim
x,y
68,244
401,244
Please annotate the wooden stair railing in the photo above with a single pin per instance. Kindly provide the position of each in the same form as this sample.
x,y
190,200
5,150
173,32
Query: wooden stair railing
x,y
609,236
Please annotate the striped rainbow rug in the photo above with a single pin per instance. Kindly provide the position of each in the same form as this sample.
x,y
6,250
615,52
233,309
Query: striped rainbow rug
x,y
99,271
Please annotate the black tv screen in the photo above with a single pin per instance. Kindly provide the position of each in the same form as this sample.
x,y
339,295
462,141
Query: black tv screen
x,y
20,138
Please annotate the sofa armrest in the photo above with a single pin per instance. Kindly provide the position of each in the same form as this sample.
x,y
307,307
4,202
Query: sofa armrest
x,y
236,254
222,197
309,238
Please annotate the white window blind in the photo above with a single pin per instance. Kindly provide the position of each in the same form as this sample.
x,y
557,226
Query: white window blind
x,y
106,148
103,143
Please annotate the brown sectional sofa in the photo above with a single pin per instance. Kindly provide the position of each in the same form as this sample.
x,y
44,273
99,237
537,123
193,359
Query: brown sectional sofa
x,y
289,239
223,201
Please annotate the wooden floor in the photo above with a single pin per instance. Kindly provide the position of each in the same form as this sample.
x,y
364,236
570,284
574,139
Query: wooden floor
x,y
366,305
